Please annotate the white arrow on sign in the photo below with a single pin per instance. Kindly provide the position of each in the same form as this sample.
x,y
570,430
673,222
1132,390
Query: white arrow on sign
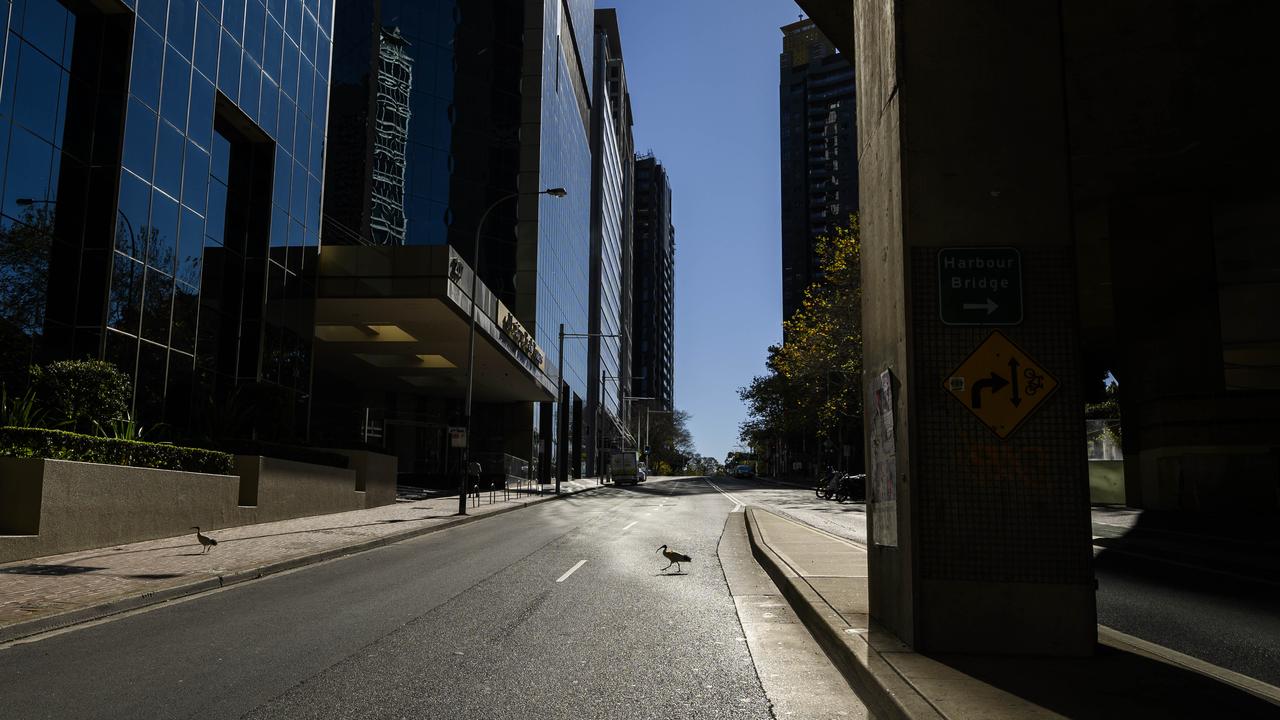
x,y
990,306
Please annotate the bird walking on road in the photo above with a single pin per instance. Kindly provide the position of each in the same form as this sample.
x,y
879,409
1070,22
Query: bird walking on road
x,y
205,540
675,557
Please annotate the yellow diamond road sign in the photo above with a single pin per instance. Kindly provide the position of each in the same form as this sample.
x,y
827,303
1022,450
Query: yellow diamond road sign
x,y
1000,384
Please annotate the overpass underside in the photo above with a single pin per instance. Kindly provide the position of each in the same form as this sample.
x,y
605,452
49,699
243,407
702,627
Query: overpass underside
x,y
1121,155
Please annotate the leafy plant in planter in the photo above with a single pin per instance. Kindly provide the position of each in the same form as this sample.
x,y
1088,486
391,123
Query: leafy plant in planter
x,y
82,395
20,410
125,428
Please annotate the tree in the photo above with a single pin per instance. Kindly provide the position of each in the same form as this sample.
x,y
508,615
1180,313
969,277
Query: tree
x,y
812,388
24,280
670,441
705,465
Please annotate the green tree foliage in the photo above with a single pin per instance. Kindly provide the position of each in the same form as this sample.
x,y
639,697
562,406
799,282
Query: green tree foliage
x,y
813,380
670,441
24,280
82,395
703,466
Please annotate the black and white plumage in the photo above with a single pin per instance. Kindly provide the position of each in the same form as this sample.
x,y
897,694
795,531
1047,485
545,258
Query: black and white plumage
x,y
205,540
675,557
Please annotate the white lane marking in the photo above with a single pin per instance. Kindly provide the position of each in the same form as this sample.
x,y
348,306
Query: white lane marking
x,y
737,506
571,571
633,522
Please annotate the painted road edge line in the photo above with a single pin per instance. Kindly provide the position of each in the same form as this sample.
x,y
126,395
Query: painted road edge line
x,y
737,506
571,571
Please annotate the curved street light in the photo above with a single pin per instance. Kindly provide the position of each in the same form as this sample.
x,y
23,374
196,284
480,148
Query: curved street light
x,y
557,192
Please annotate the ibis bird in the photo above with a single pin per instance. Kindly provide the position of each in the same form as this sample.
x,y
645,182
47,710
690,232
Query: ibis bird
x,y
675,558
205,540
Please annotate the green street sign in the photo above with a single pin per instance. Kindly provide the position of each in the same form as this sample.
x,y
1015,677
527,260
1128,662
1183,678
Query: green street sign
x,y
980,286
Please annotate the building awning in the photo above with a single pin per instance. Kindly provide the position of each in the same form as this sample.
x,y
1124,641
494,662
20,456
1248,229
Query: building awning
x,y
396,318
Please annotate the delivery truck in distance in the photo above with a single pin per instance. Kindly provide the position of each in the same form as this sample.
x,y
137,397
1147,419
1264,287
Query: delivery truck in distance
x,y
625,467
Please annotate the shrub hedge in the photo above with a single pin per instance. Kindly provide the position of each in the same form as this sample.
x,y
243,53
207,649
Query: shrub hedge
x,y
62,445
84,394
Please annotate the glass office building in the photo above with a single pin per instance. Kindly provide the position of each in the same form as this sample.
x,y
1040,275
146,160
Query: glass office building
x,y
552,277
481,83
393,114
609,206
163,165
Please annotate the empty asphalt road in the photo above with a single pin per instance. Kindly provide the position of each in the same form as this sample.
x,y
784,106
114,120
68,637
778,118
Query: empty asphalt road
x,y
559,610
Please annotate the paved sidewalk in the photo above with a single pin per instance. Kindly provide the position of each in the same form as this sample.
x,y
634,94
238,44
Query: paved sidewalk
x,y
42,594
824,578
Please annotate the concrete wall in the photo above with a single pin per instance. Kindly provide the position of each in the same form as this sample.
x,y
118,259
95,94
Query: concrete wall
x,y
1173,163
54,506
884,307
375,476
280,489
962,143
76,506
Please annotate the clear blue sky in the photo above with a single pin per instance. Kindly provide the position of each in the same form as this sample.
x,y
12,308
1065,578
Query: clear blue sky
x,y
703,76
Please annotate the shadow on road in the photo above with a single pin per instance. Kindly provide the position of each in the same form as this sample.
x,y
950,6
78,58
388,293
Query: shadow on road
x,y
1113,683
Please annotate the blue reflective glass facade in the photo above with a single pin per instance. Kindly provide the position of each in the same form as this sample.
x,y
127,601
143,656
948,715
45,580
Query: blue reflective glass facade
x,y
603,398
190,136
563,224
394,123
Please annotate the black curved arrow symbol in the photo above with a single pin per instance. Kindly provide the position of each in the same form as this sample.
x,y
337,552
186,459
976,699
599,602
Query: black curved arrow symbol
x,y
995,383
1016,398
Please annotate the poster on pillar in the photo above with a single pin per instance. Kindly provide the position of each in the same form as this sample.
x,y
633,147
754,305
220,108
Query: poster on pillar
x,y
882,488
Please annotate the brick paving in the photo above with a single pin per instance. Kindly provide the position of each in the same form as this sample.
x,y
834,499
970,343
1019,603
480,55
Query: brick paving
x,y
46,587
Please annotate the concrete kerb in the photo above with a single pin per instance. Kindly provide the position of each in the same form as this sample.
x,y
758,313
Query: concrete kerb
x,y
885,692
29,628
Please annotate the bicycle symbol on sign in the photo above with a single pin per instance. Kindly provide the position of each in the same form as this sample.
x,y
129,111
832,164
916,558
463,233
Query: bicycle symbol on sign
x,y
1035,381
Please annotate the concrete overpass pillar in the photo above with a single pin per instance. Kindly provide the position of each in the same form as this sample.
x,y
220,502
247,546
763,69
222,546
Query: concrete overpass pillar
x,y
979,525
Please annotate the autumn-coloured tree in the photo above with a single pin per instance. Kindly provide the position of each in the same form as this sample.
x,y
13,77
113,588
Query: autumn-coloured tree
x,y
812,388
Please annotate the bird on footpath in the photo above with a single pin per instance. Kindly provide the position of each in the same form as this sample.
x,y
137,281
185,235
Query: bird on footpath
x,y
205,540
675,558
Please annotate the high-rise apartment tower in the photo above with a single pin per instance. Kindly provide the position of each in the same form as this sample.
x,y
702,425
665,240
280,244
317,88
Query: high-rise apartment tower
x,y
653,297
817,104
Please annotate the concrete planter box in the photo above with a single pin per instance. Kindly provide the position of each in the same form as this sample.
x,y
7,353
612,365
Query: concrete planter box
x,y
274,489
55,506
375,476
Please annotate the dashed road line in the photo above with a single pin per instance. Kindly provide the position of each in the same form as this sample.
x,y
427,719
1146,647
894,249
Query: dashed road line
x,y
571,571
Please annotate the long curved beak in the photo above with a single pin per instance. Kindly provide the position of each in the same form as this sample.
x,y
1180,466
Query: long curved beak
x,y
660,548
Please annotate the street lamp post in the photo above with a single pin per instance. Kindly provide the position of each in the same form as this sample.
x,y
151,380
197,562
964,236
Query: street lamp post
x,y
471,337
562,421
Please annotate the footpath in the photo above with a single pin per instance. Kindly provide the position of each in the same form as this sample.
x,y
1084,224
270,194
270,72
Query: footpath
x,y
824,579
38,595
